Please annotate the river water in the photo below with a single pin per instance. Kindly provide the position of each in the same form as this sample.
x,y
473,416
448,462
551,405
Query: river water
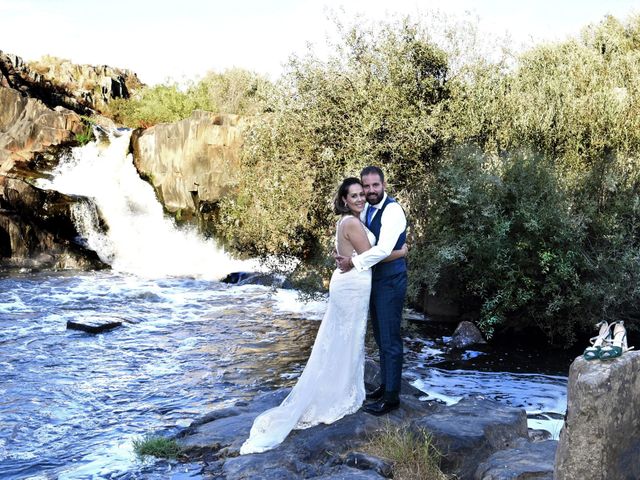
x,y
71,403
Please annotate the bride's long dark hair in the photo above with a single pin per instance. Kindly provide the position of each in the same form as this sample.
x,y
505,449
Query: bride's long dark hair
x,y
339,206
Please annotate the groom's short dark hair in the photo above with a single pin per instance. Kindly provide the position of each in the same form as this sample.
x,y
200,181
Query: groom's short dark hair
x,y
372,169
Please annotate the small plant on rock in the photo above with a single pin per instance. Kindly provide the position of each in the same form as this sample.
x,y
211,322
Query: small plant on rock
x,y
156,446
413,455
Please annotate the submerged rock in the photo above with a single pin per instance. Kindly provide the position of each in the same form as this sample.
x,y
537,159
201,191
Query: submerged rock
x,y
94,324
257,278
601,435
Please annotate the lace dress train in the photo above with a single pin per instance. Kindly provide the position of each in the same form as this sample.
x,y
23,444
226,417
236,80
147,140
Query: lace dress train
x,y
332,383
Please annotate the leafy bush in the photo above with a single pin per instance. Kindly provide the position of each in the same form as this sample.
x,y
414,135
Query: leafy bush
x,y
234,91
520,177
369,103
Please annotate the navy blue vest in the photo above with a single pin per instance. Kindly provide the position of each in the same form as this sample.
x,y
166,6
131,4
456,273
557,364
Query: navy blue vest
x,y
399,265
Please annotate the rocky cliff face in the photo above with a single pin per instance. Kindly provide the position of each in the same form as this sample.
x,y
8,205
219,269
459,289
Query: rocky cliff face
x,y
191,163
57,82
36,227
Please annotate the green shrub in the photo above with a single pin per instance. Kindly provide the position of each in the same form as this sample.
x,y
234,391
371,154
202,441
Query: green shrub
x,y
156,446
234,91
369,103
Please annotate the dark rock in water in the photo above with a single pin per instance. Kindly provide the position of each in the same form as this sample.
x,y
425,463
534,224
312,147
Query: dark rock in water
x,y
539,435
468,432
94,325
362,461
524,461
465,335
257,278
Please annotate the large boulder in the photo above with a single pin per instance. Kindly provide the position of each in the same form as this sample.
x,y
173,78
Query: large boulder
x,y
465,335
191,163
58,82
601,435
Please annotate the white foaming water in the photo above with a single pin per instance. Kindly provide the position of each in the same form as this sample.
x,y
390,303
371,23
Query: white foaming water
x,y
139,239
542,396
289,301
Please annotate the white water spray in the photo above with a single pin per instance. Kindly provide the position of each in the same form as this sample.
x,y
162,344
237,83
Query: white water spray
x,y
139,239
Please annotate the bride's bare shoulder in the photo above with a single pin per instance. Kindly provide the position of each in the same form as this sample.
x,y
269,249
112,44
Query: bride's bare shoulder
x,y
352,224
351,221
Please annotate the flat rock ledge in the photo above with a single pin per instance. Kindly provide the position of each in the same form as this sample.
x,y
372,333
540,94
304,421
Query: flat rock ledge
x,y
479,437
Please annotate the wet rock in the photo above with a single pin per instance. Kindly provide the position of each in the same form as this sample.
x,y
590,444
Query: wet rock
x,y
465,335
37,231
525,461
257,278
468,432
362,461
192,163
94,324
600,437
538,435
347,473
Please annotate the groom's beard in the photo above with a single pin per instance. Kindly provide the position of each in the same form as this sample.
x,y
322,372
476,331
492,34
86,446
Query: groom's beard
x,y
374,198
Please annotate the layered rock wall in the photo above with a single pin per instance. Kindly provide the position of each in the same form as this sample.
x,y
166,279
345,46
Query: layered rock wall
x,y
36,226
57,82
191,163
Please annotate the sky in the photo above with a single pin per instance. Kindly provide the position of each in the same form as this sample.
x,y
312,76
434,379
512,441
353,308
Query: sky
x,y
184,39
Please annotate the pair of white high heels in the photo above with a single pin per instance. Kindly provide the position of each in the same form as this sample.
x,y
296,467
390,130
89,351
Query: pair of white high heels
x,y
611,342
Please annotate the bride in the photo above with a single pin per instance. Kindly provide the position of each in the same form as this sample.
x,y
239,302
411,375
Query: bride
x,y
332,383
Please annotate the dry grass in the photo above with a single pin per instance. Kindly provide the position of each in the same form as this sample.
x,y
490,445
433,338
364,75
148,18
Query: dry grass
x,y
414,457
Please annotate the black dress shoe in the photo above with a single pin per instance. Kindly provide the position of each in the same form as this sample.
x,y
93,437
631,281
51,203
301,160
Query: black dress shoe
x,y
381,407
376,394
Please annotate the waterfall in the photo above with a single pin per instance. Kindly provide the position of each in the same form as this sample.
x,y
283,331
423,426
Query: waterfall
x,y
139,239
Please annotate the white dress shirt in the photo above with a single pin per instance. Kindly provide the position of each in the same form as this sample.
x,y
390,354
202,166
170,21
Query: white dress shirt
x,y
393,223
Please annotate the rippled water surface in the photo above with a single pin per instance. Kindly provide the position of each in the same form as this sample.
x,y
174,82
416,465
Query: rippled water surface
x,y
71,402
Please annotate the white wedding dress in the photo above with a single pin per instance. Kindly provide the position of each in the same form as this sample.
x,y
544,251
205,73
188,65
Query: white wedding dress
x,y
332,383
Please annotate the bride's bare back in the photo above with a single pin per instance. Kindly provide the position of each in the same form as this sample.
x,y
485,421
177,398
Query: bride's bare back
x,y
351,236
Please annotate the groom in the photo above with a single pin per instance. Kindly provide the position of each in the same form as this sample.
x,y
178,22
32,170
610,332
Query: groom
x,y
386,219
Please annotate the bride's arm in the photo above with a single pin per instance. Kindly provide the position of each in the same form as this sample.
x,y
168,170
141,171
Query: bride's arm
x,y
395,254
